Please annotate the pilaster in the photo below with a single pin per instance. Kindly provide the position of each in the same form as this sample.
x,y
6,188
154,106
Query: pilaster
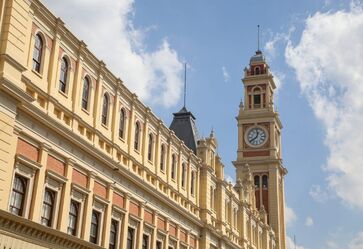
x,y
87,214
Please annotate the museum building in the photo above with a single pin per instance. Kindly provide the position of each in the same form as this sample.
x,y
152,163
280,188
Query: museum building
x,y
85,164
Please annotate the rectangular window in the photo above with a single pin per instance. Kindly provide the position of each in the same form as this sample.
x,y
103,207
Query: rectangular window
x,y
48,208
145,241
159,244
17,201
257,100
73,218
113,234
130,238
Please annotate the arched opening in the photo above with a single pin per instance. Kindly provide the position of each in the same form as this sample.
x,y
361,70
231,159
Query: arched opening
x,y
37,53
63,75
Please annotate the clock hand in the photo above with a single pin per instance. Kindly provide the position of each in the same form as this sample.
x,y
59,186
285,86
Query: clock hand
x,y
254,137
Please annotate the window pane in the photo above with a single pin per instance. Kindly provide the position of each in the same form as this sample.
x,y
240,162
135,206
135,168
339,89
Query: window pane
x,y
48,206
94,227
18,195
85,93
130,238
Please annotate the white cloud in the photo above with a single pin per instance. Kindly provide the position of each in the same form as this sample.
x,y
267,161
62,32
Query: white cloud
x,y
108,29
226,76
318,194
290,216
291,245
357,243
328,63
309,221
332,244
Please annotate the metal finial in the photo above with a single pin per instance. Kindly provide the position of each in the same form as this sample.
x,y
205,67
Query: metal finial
x,y
258,37
185,83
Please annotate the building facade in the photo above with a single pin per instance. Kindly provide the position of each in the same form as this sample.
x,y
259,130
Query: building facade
x,y
85,164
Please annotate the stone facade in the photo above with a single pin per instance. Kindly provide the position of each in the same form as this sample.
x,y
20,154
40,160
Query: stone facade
x,y
85,164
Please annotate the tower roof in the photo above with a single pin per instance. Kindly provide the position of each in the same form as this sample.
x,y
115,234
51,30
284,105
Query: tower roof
x,y
257,58
183,125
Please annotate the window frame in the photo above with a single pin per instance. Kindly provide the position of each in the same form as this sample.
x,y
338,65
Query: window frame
x,y
63,75
114,223
76,217
21,210
150,146
122,122
162,157
147,246
173,169
105,109
137,134
37,62
94,238
183,175
48,208
130,240
85,97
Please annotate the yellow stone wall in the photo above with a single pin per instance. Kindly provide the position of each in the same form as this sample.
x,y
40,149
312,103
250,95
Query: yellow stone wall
x,y
33,109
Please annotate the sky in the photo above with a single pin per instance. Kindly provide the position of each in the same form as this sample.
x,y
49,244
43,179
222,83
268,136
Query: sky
x,y
315,51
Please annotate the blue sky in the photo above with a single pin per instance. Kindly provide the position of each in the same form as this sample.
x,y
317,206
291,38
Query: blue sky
x,y
314,49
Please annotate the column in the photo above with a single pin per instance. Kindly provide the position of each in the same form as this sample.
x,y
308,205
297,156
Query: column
x,y
140,229
37,198
107,217
125,222
66,200
88,207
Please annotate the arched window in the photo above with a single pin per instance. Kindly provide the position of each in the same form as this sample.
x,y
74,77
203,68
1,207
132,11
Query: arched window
x,y
85,93
192,183
63,75
93,237
150,147
257,97
137,136
264,181
37,53
105,109
257,181
18,195
121,128
257,70
73,218
130,238
113,234
183,174
48,207
162,157
173,166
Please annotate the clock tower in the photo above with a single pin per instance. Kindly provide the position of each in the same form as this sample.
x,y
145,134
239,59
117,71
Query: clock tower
x,y
259,144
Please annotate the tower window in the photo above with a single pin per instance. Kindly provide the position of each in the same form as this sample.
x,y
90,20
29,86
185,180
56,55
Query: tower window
x,y
63,75
257,70
257,181
18,195
264,181
37,53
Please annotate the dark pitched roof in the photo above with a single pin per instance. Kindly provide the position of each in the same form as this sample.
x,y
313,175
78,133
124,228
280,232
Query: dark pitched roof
x,y
183,125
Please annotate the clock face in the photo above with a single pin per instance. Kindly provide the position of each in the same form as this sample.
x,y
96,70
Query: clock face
x,y
256,136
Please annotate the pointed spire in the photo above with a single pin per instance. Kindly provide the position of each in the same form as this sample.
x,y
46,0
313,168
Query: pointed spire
x,y
185,83
258,39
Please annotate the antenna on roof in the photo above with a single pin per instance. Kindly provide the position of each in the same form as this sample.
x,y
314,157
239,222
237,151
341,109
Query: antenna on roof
x,y
258,38
185,82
